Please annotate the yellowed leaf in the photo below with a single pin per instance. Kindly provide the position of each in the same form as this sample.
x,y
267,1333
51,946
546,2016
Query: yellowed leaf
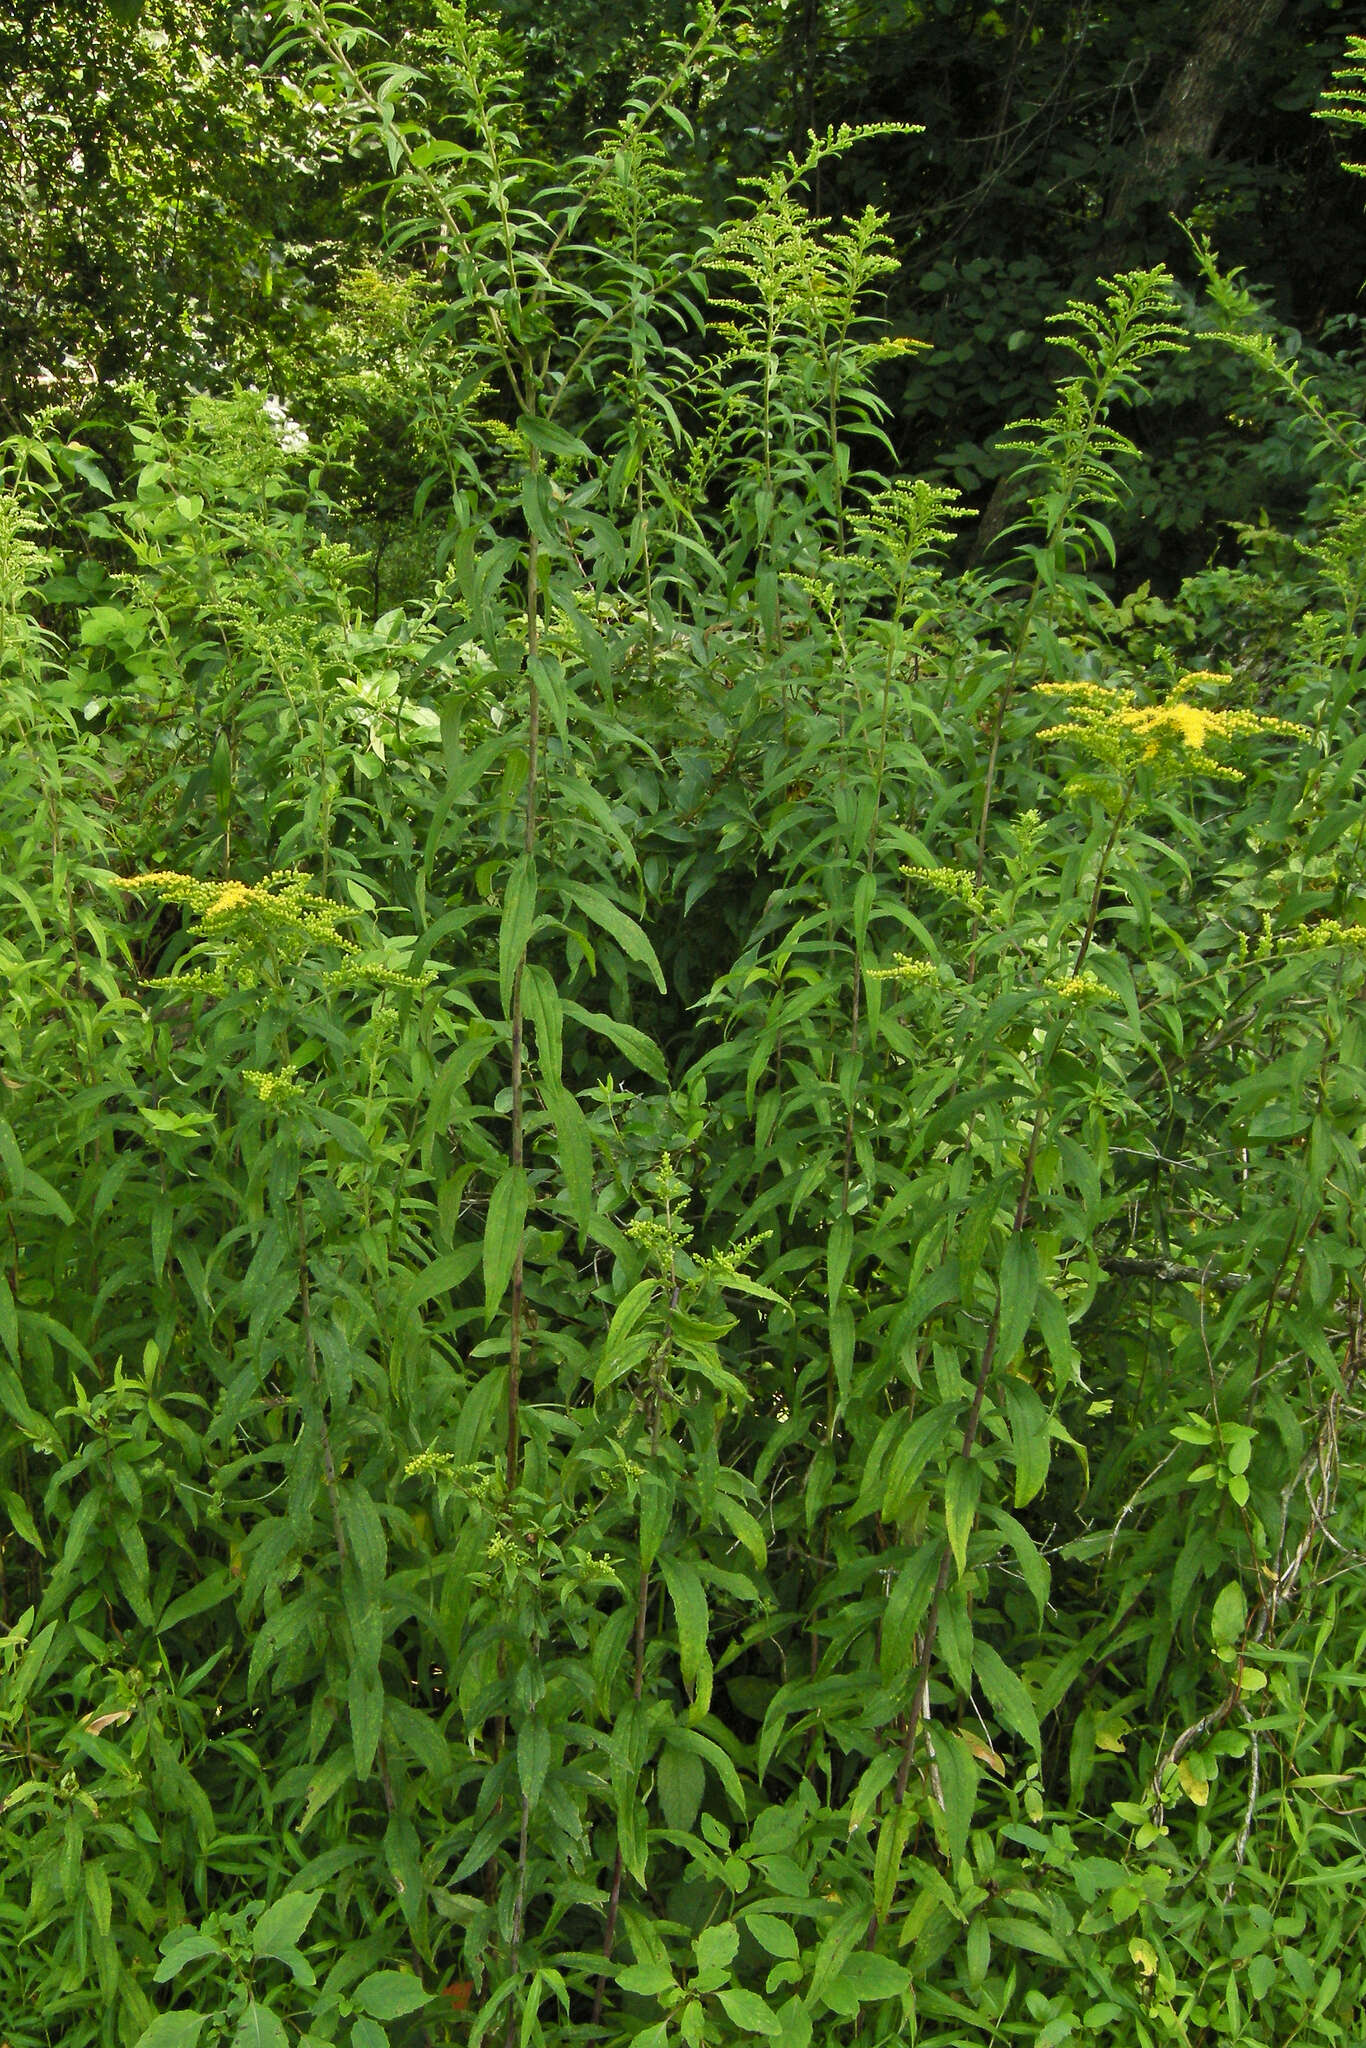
x,y
983,1752
95,1724
1111,1730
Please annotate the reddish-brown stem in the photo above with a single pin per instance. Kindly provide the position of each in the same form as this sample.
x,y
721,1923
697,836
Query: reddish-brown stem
x,y
517,1302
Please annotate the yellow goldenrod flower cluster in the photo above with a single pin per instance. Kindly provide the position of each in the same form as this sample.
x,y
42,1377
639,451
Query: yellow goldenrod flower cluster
x,y
428,1463
280,914
957,884
259,928
1172,740
920,973
1313,938
274,1088
1332,932
1081,988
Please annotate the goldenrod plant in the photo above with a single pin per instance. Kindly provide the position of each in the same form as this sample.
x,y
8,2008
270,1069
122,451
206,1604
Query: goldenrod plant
x,y
680,1220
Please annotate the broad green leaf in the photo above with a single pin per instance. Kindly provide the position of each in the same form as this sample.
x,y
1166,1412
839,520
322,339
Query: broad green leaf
x,y
325,1783
839,1246
259,2027
180,1948
837,1944
9,1320
1028,1935
619,1351
746,2009
442,1276
547,673
646,1980
21,1521
955,1638
172,2030
1034,1568
639,1048
892,1838
282,1925
550,439
541,1000
210,1593
910,1597
867,1978
865,895
715,1946
775,1936
657,1501
389,1995
1229,1616
31,1665
715,1759
364,1619
795,2021
98,1894
842,1334
743,1527
428,153
633,1837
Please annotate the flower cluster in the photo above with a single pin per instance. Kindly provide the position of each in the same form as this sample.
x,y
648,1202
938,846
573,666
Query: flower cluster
x,y
957,884
1172,740
292,438
919,973
1081,988
728,1265
257,929
907,519
274,1088
1314,938
430,1463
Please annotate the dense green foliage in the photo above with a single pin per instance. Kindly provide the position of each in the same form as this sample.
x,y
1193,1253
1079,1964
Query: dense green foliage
x,y
174,204
681,1287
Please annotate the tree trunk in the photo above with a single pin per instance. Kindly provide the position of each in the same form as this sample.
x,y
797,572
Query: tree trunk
x,y
1193,103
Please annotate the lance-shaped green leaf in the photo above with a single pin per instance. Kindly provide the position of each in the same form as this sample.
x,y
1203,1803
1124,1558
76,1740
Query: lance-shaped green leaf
x,y
515,925
1006,1692
961,1490
503,1228
1019,1286
575,1150
690,1613
614,921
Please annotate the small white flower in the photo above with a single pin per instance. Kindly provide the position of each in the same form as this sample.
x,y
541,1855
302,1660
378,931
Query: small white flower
x,y
290,436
